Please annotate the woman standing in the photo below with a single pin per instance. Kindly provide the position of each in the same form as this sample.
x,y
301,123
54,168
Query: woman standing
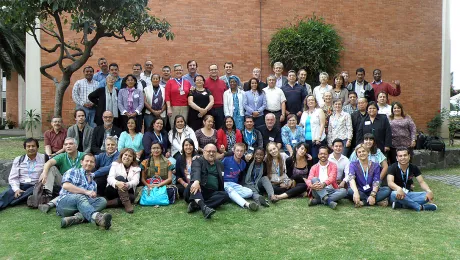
x,y
184,165
365,181
340,127
228,136
177,91
200,101
292,134
122,180
377,125
154,102
255,102
178,134
233,102
156,133
106,99
276,170
130,101
313,121
403,130
132,138
339,90
384,108
207,134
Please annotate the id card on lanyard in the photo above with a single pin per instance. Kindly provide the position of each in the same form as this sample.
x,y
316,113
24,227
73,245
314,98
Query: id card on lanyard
x,y
72,165
366,175
156,95
251,140
404,180
181,86
30,169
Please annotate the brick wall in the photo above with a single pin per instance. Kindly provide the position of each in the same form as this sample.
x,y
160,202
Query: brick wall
x,y
12,98
402,38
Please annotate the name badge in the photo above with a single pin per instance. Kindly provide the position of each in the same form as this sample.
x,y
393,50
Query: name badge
x,y
28,180
222,173
405,190
251,148
182,92
155,100
294,141
365,188
136,96
367,123
271,139
204,93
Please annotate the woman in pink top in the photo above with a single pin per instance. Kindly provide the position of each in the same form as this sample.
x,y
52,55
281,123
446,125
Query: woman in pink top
x,y
403,130
177,90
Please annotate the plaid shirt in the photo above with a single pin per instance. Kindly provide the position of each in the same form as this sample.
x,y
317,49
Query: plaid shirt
x,y
77,177
348,109
82,89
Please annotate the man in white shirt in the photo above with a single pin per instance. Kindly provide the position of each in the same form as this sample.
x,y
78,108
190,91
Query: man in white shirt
x,y
362,87
342,162
80,92
146,75
276,101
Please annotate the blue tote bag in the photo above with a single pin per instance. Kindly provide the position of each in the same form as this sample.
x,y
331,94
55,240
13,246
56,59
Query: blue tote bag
x,y
154,197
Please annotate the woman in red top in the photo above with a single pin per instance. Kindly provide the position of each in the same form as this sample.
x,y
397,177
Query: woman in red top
x,y
227,137
177,90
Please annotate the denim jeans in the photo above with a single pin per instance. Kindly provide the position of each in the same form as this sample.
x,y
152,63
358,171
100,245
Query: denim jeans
x,y
382,194
73,203
314,149
90,114
333,194
7,197
412,200
237,193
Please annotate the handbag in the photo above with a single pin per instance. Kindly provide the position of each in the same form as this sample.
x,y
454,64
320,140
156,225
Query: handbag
x,y
157,196
435,143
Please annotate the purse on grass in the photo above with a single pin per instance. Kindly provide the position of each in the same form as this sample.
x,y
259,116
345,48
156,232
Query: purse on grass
x,y
157,196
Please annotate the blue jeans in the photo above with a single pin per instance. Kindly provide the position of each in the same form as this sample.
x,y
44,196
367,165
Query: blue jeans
x,y
412,200
90,114
382,194
333,194
237,193
73,203
7,197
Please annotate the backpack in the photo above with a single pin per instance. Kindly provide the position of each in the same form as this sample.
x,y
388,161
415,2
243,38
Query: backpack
x,y
435,143
38,196
421,139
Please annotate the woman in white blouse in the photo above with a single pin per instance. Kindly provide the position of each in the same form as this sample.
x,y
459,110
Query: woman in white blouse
x,y
231,108
340,127
178,134
313,121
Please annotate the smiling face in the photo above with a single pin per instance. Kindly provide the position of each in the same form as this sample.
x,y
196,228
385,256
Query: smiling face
x,y
89,72
323,79
352,98
229,123
155,80
158,125
88,163
228,69
254,84
338,106
188,148
278,70
131,124
372,110
382,98
327,98
110,146
107,117
403,157
130,82
338,82
113,70
178,72
127,158
238,150
377,75
368,143
302,76
270,121
323,155
56,123
166,73
273,150
259,156
337,147
213,71
233,84
311,102
180,123
208,122
103,65
110,80
249,123
199,82
362,104
397,110
31,149
156,149
271,82
291,77
137,71
148,66
301,151
362,153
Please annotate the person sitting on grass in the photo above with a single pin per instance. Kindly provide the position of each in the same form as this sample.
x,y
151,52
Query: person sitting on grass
x,y
56,167
25,171
400,180
206,189
78,200
104,162
322,181
256,176
233,169
364,180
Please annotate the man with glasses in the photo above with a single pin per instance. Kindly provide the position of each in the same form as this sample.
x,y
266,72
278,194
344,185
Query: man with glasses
x,y
146,75
176,95
206,191
54,138
100,133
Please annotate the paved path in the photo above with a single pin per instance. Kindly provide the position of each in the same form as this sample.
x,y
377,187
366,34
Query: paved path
x,y
453,180
13,132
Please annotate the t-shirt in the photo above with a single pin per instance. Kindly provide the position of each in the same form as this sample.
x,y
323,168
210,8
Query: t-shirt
x,y
394,170
213,179
232,169
64,163
270,136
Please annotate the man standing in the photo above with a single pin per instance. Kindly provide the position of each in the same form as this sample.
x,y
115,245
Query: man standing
x,y
80,92
81,131
400,179
114,71
206,189
362,87
104,70
352,103
166,75
280,80
100,133
356,119
25,172
256,75
147,74
228,67
192,66
137,70
295,95
322,180
301,80
276,101
54,138
270,133
55,167
217,88
342,162
104,162
380,86
78,200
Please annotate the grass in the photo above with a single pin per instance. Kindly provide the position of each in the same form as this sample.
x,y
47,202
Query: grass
x,y
13,147
287,230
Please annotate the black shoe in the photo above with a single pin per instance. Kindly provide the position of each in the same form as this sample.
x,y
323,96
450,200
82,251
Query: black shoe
x,y
253,206
192,207
208,212
263,201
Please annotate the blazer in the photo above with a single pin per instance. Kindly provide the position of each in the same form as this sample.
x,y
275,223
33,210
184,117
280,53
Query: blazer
x,y
98,98
200,172
138,100
87,136
250,106
99,137
331,174
228,102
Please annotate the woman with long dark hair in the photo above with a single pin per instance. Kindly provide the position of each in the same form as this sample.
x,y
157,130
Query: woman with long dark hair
x,y
184,165
155,133
339,90
130,101
403,130
255,102
178,134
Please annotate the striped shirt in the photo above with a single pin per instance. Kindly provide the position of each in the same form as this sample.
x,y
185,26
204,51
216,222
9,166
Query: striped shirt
x,y
82,89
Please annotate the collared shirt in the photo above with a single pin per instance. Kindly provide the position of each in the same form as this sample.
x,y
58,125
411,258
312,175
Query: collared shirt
x,y
117,83
65,163
82,89
279,82
385,110
340,126
217,88
190,79
307,87
323,176
343,166
349,109
146,78
359,89
275,98
78,178
56,141
28,171
319,91
295,96
100,76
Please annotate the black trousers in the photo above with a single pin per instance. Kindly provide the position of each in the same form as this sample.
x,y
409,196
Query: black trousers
x,y
218,114
293,192
101,185
211,198
112,193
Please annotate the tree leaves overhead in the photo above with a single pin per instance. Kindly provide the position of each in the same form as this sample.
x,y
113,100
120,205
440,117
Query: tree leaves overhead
x,y
12,50
310,44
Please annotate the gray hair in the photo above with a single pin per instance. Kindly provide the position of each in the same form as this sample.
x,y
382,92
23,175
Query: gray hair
x,y
325,74
73,139
112,138
278,64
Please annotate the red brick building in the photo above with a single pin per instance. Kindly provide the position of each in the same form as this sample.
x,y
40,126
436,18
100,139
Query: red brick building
x,y
402,38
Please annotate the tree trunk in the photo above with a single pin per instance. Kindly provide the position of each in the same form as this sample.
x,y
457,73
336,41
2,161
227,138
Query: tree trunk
x,y
61,87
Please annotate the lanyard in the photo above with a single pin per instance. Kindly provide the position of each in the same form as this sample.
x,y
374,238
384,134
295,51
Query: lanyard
x,y
365,173
255,173
251,140
31,169
76,160
159,138
158,91
402,175
276,166
180,83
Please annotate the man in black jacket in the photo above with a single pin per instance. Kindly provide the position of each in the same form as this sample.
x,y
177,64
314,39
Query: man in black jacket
x,y
356,119
102,131
206,188
362,87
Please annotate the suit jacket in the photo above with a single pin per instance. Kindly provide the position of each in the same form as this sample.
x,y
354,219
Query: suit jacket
x,y
98,98
250,106
87,136
99,136
200,172
380,128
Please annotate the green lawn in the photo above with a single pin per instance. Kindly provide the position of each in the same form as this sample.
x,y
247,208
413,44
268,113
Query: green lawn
x,y
287,230
12,147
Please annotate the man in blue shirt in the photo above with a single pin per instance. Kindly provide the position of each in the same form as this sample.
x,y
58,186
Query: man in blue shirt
x,y
104,72
114,71
104,162
78,200
233,169
192,67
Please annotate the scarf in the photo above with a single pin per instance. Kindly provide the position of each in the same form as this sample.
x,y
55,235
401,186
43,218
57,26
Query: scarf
x,y
248,178
111,102
130,99
152,169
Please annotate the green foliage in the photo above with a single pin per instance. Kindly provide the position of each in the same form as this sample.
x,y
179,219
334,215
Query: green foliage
x,y
310,44
12,50
434,125
31,121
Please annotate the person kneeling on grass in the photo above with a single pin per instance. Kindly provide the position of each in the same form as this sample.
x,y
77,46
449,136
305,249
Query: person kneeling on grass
x,y
206,188
322,181
77,199
400,180
364,181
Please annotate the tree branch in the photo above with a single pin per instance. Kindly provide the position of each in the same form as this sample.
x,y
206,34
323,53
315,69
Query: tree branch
x,y
57,18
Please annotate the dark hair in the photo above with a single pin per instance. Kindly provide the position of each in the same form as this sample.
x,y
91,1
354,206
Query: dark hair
x,y
184,160
100,59
294,152
155,119
229,63
291,116
166,67
259,88
375,71
360,70
88,154
337,140
402,149
137,129
156,142
130,150
200,76
224,127
113,65
123,82
298,72
174,125
323,147
372,103
190,61
292,71
54,117
386,94
400,106
30,140
137,65
338,75
77,110
248,117
88,67
206,117
352,92
373,149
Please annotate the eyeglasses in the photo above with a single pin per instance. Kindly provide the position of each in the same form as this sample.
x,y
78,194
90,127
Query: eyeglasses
x,y
107,117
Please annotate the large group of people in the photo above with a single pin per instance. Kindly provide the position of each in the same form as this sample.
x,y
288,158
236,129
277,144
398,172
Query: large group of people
x,y
213,140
